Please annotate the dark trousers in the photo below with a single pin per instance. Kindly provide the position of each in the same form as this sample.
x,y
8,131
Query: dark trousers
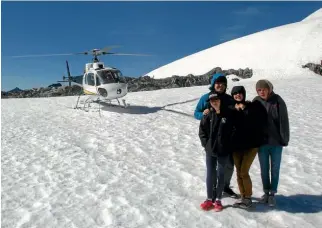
x,y
229,170
215,180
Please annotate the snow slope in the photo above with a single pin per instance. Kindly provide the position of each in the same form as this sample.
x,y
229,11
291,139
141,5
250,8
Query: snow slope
x,y
278,52
144,166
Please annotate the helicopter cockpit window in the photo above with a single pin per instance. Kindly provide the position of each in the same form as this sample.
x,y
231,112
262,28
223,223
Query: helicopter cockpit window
x,y
90,79
120,77
108,76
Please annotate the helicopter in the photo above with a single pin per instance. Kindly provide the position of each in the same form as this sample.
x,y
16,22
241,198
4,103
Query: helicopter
x,y
101,82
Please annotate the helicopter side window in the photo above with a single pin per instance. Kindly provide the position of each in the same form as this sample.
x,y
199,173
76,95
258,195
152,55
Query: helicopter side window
x,y
90,79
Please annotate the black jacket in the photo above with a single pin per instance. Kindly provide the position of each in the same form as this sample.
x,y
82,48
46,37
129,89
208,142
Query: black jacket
x,y
215,133
278,132
250,125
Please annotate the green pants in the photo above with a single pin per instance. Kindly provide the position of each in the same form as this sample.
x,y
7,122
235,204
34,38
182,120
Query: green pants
x,y
243,161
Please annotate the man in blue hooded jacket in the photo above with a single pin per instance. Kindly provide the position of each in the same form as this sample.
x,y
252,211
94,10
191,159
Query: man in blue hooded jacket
x,y
218,85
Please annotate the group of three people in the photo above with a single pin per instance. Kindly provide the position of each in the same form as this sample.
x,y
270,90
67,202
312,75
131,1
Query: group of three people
x,y
233,131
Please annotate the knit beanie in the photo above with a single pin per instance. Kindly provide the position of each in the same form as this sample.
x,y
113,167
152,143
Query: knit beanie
x,y
263,83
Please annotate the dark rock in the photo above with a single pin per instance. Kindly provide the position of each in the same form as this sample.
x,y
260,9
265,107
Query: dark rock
x,y
316,68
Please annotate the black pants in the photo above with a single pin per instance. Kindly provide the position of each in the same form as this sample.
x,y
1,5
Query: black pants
x,y
215,181
229,170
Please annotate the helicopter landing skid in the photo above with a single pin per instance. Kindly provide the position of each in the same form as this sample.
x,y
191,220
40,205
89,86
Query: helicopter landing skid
x,y
109,103
86,104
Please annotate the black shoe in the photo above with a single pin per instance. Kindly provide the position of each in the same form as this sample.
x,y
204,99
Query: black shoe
x,y
229,192
246,203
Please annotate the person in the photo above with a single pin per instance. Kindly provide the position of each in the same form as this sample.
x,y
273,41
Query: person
x,y
215,136
278,135
219,85
249,122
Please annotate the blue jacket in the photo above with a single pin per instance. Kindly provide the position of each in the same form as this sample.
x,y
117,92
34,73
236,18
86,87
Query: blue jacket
x,y
203,102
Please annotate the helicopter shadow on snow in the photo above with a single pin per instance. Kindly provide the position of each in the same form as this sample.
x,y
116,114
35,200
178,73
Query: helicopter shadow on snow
x,y
131,109
139,109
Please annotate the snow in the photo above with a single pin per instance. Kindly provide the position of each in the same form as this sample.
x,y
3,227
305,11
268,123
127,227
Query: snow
x,y
293,45
144,166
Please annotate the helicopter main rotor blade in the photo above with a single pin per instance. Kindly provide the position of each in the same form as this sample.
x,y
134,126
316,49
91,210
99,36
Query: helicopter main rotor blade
x,y
25,56
128,54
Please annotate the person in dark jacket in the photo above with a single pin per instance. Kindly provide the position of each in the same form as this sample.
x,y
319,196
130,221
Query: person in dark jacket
x,y
218,85
249,122
215,133
278,135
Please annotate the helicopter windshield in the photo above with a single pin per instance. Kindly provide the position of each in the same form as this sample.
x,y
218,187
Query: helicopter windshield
x,y
109,76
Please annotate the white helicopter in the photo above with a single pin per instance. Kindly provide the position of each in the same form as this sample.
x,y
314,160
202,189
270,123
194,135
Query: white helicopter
x,y
102,83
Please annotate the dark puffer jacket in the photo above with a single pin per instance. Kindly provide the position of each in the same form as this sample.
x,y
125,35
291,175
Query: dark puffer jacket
x,y
250,123
250,127
215,133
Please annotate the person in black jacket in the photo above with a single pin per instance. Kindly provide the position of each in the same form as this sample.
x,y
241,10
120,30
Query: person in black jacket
x,y
219,86
278,135
215,133
249,121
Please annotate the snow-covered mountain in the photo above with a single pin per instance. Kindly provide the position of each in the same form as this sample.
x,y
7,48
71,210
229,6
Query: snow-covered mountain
x,y
278,52
144,167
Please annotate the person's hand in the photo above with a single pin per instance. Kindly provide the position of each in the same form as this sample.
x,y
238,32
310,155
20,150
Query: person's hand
x,y
206,111
242,106
239,106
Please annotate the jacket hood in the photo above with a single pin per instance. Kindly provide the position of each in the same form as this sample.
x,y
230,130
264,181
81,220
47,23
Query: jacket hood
x,y
239,89
214,78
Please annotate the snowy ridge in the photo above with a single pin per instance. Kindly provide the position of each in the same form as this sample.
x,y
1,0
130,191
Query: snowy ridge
x,y
276,53
316,15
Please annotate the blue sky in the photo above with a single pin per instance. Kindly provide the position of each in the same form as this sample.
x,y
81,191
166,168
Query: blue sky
x,y
168,30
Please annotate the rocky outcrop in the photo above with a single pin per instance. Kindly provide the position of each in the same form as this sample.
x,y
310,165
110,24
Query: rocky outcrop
x,y
44,92
316,68
145,83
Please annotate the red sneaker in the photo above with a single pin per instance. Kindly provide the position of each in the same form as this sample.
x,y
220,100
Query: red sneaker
x,y
218,206
207,205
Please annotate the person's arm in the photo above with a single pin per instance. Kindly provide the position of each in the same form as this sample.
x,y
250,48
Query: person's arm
x,y
284,121
201,106
203,131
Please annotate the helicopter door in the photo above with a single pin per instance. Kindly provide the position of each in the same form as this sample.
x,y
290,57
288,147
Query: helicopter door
x,y
90,80
89,84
